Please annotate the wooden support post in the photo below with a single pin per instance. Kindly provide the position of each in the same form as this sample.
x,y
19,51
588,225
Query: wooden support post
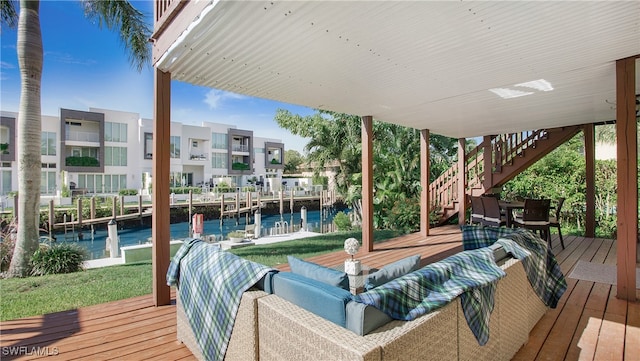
x,y
122,206
190,213
52,218
249,207
79,212
114,207
160,221
237,206
92,210
291,202
281,197
221,209
487,158
367,183
425,202
462,186
140,205
590,175
627,153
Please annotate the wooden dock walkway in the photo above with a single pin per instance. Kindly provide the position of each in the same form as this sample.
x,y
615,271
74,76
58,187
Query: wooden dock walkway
x,y
231,207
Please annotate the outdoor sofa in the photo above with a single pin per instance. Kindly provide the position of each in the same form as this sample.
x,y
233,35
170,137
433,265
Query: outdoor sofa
x,y
288,316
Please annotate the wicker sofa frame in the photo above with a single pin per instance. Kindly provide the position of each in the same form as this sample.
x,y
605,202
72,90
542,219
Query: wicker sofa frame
x,y
268,327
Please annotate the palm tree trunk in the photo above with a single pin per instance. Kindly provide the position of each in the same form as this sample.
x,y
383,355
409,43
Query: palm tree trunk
x,y
29,48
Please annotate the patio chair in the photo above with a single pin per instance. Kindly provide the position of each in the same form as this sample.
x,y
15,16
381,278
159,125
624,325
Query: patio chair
x,y
555,221
492,215
477,210
250,231
535,217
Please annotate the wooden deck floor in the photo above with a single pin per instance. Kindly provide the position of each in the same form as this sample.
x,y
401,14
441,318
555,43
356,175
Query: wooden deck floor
x,y
589,323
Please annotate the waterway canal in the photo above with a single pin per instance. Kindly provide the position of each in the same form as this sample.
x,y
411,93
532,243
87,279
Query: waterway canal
x,y
96,244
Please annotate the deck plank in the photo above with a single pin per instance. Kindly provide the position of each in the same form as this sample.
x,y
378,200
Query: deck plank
x,y
575,250
590,323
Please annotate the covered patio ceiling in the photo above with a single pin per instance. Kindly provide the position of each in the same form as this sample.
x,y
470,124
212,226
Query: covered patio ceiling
x,y
461,69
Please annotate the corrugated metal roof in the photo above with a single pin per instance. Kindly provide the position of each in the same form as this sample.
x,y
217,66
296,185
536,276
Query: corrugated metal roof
x,y
427,65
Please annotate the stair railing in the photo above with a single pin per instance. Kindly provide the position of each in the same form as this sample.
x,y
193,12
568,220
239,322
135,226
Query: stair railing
x,y
504,148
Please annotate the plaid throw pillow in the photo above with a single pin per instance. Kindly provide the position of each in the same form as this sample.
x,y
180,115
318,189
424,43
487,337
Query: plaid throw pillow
x,y
474,237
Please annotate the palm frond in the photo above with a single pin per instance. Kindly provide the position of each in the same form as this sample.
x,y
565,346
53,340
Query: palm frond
x,y
8,14
130,22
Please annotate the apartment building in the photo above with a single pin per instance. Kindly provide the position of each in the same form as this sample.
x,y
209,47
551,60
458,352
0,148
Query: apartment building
x,y
102,151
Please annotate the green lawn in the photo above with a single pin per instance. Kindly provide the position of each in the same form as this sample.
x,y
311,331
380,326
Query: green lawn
x,y
25,297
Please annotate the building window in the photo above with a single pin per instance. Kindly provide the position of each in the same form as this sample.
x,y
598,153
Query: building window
x,y
148,145
219,160
4,140
115,156
115,132
218,141
48,143
102,183
174,146
258,150
6,181
47,182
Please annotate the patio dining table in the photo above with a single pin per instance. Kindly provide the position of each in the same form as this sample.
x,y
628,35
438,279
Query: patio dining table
x,y
508,207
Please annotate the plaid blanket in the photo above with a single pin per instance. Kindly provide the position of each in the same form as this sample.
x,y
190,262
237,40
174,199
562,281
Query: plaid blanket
x,y
211,283
539,263
470,274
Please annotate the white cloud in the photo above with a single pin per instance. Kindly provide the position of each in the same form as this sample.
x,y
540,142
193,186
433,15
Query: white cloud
x,y
215,97
5,65
66,58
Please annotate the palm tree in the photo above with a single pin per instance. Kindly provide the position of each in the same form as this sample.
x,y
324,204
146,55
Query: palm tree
x,y
134,32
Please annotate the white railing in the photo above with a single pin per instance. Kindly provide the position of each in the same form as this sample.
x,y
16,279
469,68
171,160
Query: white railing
x,y
83,137
240,148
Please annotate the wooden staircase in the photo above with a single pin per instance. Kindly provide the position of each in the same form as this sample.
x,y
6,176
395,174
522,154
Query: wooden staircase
x,y
509,155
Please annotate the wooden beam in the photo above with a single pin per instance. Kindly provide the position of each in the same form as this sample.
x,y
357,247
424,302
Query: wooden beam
x,y
425,162
367,183
462,199
627,154
590,161
160,218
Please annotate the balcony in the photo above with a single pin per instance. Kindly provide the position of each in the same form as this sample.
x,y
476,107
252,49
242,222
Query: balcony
x,y
86,137
198,156
240,148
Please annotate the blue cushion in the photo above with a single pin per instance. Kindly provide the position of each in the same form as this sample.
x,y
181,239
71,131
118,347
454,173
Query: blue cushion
x,y
319,273
325,301
392,271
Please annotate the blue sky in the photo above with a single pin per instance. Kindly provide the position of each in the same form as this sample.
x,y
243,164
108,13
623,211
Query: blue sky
x,y
85,66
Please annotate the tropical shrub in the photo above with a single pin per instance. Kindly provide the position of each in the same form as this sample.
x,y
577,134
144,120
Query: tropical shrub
x,y
404,215
239,166
6,252
128,192
81,162
342,221
236,234
185,190
60,258
224,187
7,243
